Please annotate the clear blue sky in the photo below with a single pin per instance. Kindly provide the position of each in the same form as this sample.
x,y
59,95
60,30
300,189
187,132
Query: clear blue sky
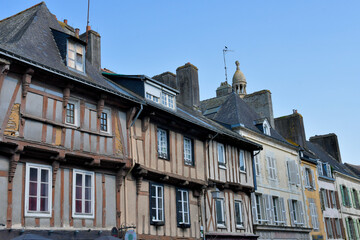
x,y
305,52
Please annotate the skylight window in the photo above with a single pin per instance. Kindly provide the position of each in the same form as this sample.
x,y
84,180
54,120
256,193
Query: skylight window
x,y
76,56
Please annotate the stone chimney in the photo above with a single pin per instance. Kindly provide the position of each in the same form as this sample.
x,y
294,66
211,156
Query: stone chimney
x,y
224,89
93,48
188,84
262,104
292,128
329,143
167,78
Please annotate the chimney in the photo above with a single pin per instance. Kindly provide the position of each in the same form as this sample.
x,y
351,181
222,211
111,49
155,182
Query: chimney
x,y
188,84
292,128
261,102
77,32
329,143
224,89
93,48
167,78
65,21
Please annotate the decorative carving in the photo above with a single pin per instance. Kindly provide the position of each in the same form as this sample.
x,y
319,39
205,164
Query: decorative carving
x,y
26,81
119,179
145,123
55,166
4,69
138,184
66,96
12,127
100,107
13,164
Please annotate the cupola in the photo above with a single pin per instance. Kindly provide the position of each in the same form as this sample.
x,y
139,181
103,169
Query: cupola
x,y
239,81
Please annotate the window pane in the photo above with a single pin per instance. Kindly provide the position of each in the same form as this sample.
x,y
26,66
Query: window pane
x,y
78,180
33,189
71,55
32,203
33,174
88,193
219,211
79,49
87,181
44,190
71,63
87,206
44,204
78,206
44,175
78,193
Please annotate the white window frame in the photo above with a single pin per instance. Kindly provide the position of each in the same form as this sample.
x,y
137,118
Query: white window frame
x,y
222,164
76,104
38,213
162,144
108,112
157,217
222,211
266,128
188,151
152,97
184,202
239,204
83,215
75,44
242,166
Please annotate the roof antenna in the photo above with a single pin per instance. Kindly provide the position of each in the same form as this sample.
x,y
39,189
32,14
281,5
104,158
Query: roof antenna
x,y
87,23
225,50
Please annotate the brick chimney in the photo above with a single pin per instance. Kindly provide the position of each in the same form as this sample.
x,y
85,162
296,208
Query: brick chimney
x,y
292,128
188,84
329,143
93,49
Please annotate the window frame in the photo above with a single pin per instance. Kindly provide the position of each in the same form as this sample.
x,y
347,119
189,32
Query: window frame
x,y
76,104
167,100
37,213
83,215
243,160
180,204
222,164
191,161
75,44
157,221
240,217
160,154
222,224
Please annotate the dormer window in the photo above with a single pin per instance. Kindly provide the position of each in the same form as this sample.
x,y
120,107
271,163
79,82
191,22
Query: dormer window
x,y
167,100
266,128
76,56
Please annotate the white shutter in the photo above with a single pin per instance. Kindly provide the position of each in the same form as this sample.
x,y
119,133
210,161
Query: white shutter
x,y
274,167
254,209
269,210
313,179
297,180
292,222
268,166
301,211
282,211
290,171
328,167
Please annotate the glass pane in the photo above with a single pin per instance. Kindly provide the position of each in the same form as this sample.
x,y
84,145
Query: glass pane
x,y
160,215
71,55
44,190
71,63
78,180
44,175
32,203
44,204
218,211
160,191
33,174
79,66
78,206
87,206
79,49
78,193
87,181
71,46
33,189
88,193
186,216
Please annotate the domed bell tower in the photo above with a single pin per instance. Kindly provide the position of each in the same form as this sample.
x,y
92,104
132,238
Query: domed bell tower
x,y
239,81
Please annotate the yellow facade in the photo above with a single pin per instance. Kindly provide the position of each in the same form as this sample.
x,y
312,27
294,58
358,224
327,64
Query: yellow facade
x,y
312,197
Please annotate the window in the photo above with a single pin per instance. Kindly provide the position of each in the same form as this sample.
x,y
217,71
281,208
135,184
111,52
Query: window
x,y
83,194
258,208
324,169
242,161
72,113
268,209
333,199
338,228
314,214
324,199
104,122
152,97
266,128
167,100
355,198
257,164
296,212
238,214
271,167
293,172
345,196
329,228
182,206
38,190
221,154
76,56
276,207
220,214
309,179
162,137
188,152
350,228
156,203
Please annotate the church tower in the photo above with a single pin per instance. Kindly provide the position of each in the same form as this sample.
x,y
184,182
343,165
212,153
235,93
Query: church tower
x,y
239,81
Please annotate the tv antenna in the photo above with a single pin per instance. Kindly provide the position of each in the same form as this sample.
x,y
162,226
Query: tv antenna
x,y
225,50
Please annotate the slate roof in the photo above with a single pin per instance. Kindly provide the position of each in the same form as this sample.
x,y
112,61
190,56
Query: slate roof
x,y
27,37
325,157
233,111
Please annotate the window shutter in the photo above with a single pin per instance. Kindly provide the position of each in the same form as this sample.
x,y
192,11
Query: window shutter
x,y
348,231
152,203
268,166
297,173
282,210
274,166
333,223
328,167
291,212
267,208
254,209
342,228
313,181
330,199
337,200
304,175
322,200
348,197
316,220
352,197
300,207
178,207
271,211
327,228
342,195
356,229
288,163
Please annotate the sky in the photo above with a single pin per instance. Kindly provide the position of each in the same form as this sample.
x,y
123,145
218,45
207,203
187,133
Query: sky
x,y
305,52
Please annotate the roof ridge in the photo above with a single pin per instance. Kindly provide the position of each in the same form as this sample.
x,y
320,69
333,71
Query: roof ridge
x,y
17,14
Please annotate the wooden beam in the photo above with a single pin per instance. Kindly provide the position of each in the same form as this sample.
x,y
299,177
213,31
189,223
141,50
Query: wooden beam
x,y
129,116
